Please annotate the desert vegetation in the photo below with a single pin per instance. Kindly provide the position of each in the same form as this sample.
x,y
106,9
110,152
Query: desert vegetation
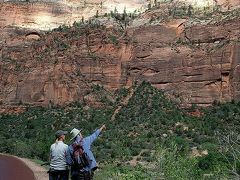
x,y
150,138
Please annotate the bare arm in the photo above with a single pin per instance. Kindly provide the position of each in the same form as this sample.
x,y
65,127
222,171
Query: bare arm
x,y
103,127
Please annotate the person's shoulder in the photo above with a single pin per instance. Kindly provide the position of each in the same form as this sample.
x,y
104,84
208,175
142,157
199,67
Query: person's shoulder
x,y
52,145
65,145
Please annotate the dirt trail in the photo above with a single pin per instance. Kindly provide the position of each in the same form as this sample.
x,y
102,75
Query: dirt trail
x,y
124,103
39,172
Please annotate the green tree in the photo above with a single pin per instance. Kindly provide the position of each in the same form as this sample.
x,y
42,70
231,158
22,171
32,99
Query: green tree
x,y
97,14
155,3
115,12
124,15
149,6
190,10
83,19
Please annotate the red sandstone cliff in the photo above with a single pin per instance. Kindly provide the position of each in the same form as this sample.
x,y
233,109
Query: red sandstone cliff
x,y
196,62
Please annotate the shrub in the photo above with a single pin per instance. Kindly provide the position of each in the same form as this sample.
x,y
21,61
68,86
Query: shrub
x,y
171,165
114,39
138,126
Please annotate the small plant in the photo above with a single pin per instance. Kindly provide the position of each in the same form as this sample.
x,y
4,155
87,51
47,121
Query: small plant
x,y
93,56
190,10
230,145
114,39
62,28
97,14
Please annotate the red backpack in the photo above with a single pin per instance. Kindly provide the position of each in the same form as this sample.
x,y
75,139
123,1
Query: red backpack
x,y
80,158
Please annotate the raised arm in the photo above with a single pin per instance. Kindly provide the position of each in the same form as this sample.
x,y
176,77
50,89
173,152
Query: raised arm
x,y
94,136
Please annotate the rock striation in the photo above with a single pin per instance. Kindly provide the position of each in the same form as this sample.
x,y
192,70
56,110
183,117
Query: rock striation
x,y
195,62
200,69
47,15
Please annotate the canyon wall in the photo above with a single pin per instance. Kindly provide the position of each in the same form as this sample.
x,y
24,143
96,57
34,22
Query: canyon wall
x,y
46,15
201,71
196,63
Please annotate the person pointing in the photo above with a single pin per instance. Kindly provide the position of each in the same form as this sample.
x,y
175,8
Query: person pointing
x,y
80,156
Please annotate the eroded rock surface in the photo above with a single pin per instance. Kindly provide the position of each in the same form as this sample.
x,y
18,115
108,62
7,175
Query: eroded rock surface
x,y
197,63
46,15
200,68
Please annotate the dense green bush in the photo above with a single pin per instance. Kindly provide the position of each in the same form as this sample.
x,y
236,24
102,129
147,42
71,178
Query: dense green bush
x,y
148,121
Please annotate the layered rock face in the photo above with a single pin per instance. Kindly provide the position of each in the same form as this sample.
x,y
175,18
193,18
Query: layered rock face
x,y
61,67
202,67
198,64
49,14
228,3
46,15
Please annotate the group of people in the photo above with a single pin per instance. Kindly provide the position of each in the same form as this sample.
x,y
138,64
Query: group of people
x,y
77,157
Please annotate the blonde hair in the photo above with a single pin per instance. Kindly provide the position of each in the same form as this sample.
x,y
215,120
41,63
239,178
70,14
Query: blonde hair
x,y
57,140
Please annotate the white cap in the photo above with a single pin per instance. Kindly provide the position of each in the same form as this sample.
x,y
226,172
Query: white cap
x,y
74,133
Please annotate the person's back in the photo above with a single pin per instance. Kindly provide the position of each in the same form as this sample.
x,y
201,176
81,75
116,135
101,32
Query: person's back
x,y
58,155
58,162
86,172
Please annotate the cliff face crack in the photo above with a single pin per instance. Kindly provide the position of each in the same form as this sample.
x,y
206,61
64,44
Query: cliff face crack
x,y
135,69
200,81
199,41
150,72
33,33
225,73
192,75
143,56
162,83
211,83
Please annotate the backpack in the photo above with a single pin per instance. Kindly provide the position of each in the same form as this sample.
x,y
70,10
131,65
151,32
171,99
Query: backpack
x,y
80,158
